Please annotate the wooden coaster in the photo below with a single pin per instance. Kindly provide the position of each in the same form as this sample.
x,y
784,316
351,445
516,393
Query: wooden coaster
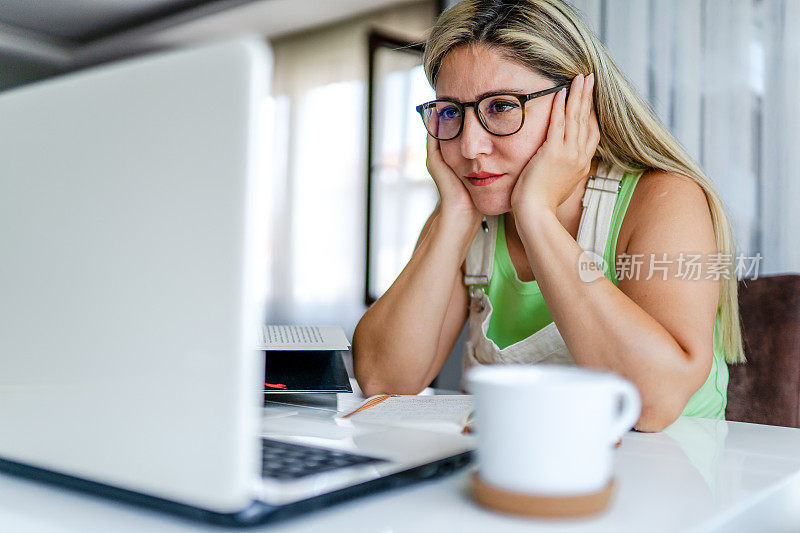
x,y
543,506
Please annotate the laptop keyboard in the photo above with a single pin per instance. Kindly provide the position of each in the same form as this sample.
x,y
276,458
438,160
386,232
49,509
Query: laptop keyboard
x,y
285,461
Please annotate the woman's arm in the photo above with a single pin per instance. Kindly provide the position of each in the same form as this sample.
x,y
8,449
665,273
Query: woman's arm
x,y
658,332
404,338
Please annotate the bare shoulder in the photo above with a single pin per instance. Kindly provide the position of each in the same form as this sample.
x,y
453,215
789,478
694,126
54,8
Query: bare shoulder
x,y
664,208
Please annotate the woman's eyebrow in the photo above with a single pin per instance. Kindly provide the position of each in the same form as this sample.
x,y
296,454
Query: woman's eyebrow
x,y
488,93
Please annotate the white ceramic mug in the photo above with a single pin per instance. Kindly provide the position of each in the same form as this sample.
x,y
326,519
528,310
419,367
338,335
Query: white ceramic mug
x,y
549,430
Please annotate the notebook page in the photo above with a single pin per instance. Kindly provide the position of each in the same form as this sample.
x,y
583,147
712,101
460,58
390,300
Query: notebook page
x,y
302,337
419,410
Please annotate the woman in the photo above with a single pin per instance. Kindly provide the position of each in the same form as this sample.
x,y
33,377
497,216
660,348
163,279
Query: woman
x,y
536,185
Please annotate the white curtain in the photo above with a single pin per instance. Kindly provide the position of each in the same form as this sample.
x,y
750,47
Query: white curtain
x,y
319,167
780,136
723,75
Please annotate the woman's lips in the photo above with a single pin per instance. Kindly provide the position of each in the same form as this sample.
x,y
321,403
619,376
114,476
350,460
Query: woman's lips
x,y
480,179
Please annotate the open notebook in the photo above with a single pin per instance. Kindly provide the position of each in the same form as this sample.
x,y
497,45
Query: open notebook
x,y
448,413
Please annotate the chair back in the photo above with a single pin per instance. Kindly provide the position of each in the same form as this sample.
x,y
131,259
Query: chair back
x,y
766,389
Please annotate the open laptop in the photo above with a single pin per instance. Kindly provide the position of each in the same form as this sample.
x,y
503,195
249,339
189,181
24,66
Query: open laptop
x,y
135,240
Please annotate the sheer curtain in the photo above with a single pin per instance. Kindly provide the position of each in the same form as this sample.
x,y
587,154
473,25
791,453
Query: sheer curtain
x,y
723,75
318,165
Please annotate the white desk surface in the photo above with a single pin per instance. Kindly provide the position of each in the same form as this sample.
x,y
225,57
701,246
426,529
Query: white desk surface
x,y
697,475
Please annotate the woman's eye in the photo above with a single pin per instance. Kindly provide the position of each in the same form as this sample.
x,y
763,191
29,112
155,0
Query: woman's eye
x,y
448,113
502,106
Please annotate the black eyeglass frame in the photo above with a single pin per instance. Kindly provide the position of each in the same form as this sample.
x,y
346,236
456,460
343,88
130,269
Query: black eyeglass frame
x,y
462,107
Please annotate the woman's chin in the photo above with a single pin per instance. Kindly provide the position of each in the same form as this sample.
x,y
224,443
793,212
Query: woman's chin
x,y
492,204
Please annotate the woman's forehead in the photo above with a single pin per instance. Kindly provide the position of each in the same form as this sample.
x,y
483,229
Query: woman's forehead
x,y
469,71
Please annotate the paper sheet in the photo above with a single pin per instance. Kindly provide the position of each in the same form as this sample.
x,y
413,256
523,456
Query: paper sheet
x,y
452,409
302,338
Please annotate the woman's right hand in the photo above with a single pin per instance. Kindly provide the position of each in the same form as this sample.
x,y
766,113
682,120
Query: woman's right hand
x,y
454,196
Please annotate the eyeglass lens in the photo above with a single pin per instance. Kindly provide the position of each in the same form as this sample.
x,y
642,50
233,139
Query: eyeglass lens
x,y
500,114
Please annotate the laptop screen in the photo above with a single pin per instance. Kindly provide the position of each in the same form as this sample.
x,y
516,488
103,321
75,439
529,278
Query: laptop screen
x,y
132,224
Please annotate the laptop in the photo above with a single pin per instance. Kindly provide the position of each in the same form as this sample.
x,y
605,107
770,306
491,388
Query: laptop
x,y
134,228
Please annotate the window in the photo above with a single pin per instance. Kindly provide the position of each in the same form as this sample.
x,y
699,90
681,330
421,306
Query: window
x,y
400,192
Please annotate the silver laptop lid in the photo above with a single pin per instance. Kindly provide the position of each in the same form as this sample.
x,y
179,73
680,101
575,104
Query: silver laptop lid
x,y
131,201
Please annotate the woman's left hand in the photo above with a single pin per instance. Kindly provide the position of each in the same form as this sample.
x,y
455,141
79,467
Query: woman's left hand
x,y
565,157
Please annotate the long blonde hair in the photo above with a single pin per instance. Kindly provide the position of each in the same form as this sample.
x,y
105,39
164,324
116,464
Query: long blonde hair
x,y
549,37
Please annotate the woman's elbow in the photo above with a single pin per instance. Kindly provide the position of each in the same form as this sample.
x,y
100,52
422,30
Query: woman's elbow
x,y
372,384
662,407
370,387
364,369
365,373
369,380
374,380
656,416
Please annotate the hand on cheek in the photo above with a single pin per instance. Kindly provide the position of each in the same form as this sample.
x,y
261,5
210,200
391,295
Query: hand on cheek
x,y
453,195
566,155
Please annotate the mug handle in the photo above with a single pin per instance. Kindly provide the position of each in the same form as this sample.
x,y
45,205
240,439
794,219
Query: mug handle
x,y
631,408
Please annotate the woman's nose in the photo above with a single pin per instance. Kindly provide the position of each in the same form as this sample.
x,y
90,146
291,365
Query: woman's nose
x,y
474,139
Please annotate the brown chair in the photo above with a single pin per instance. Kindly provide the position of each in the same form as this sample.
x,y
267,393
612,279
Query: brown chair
x,y
766,389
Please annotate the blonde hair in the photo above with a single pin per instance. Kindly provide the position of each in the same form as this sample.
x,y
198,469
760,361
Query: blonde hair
x,y
549,37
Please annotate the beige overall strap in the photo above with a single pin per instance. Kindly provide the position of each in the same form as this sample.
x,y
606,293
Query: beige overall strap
x,y
480,257
598,207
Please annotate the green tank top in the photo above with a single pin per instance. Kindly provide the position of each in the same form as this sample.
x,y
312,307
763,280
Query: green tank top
x,y
513,299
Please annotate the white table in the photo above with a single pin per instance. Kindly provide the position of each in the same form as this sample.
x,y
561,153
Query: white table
x,y
698,475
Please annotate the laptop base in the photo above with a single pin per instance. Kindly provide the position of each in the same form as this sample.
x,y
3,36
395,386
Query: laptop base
x,y
258,512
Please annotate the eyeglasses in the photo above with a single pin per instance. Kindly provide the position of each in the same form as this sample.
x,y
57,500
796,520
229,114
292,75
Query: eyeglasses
x,y
499,114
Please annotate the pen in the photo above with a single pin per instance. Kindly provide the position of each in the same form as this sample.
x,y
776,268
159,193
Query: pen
x,y
469,424
371,403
